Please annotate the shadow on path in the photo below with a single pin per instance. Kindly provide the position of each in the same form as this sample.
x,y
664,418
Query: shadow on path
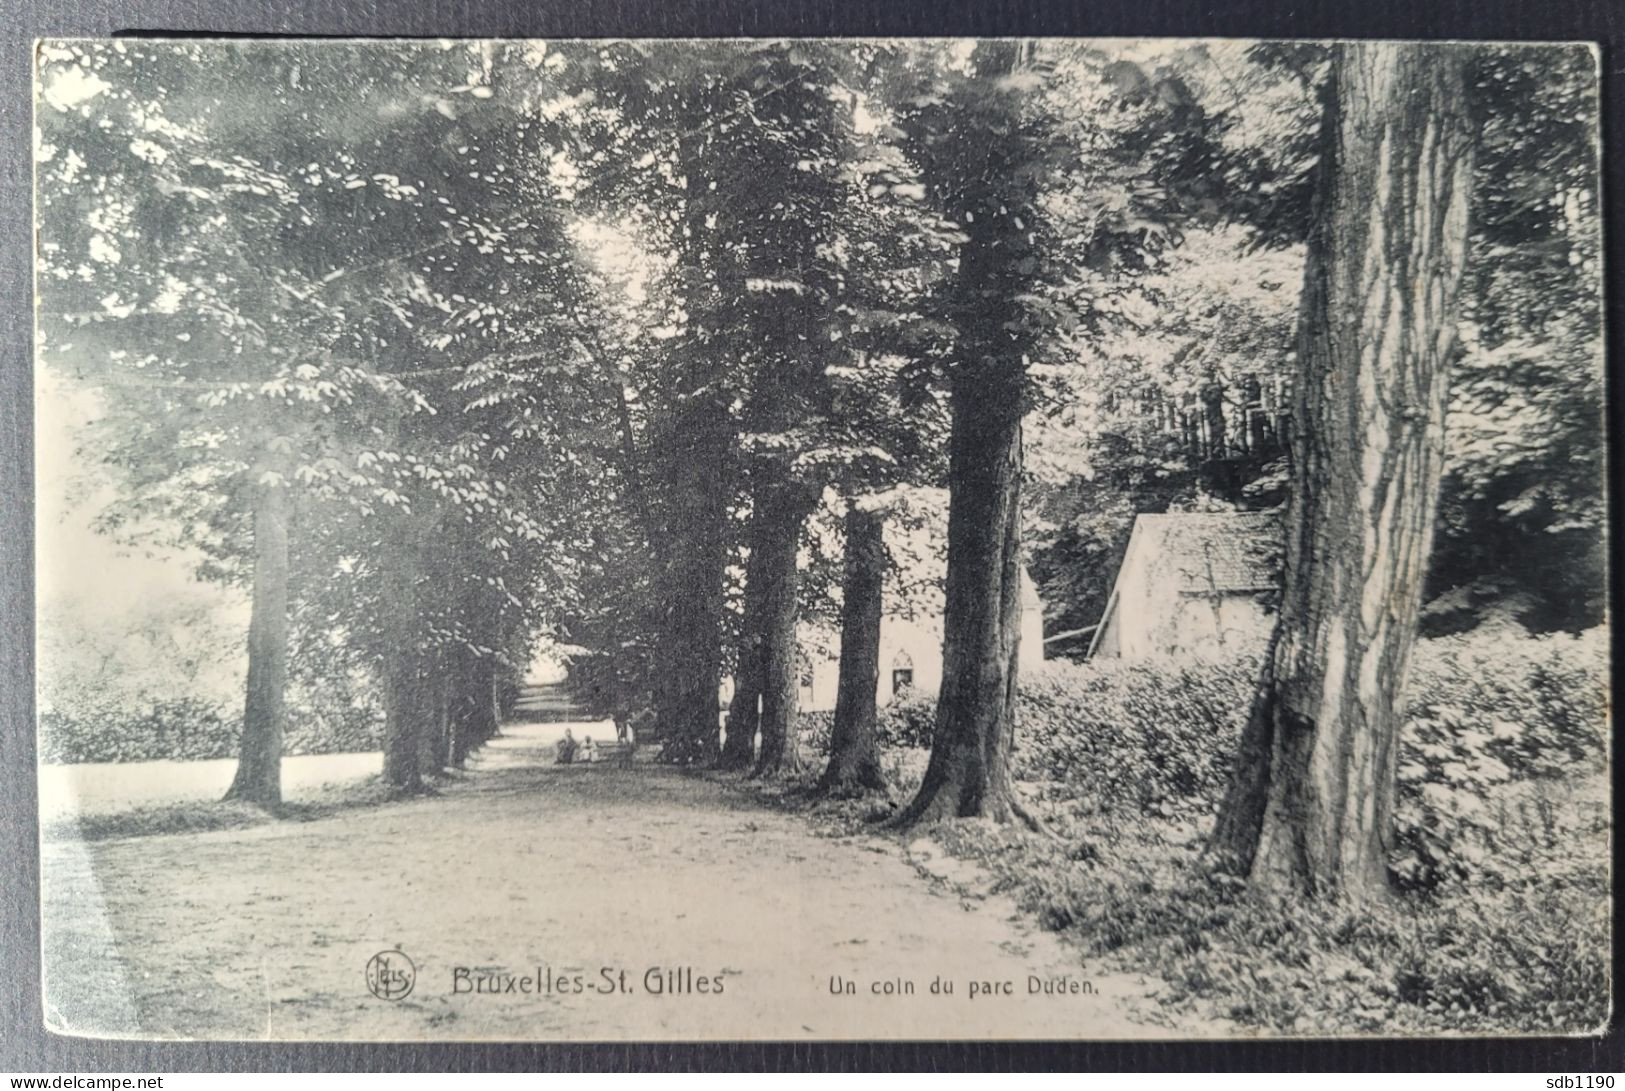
x,y
540,901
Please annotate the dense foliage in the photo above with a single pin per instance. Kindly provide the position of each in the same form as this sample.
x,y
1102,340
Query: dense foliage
x,y
1501,853
424,368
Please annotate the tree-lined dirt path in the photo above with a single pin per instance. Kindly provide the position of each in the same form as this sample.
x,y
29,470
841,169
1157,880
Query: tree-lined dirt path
x,y
524,869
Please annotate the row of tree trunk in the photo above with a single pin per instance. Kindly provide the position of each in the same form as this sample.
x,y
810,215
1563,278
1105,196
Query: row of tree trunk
x,y
440,702
1310,806
969,769
439,707
1311,802
761,732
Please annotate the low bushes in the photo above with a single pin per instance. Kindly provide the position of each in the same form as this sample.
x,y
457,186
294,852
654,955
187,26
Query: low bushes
x,y
814,728
1501,923
906,722
334,716
322,719
1460,961
1102,736
1504,750
181,728
1493,726
1151,738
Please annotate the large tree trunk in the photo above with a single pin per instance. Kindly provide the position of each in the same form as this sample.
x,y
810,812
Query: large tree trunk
x,y
968,775
475,715
404,716
854,757
785,508
435,751
690,650
694,468
407,695
744,708
460,711
259,765
1310,809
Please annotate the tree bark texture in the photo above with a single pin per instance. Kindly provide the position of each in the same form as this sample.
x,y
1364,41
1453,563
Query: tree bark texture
x,y
436,749
854,757
259,765
744,708
1310,808
405,714
475,715
408,694
785,508
968,775
697,496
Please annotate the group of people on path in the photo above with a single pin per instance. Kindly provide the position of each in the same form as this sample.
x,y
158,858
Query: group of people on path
x,y
586,751
571,751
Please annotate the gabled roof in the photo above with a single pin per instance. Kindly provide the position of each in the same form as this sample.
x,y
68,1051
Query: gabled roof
x,y
1213,552
1230,552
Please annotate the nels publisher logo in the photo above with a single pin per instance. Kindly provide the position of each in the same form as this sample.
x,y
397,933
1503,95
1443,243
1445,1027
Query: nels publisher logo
x,y
391,975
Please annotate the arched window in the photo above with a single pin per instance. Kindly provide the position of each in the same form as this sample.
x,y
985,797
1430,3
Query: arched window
x,y
902,673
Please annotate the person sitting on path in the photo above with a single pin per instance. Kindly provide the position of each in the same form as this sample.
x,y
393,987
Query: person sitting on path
x,y
567,748
589,750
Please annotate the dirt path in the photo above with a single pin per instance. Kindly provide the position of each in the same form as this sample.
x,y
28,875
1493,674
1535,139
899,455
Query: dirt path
x,y
529,873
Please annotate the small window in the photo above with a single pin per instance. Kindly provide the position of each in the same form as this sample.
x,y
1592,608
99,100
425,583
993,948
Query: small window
x,y
902,673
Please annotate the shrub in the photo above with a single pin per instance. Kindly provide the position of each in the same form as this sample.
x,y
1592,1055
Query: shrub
x,y
1149,737
96,729
1502,818
1539,703
333,714
1502,741
908,721
902,723
1493,722
324,717
1462,961
1477,965
167,682
815,729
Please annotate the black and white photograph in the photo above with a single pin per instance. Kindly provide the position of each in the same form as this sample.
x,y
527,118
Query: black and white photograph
x,y
816,540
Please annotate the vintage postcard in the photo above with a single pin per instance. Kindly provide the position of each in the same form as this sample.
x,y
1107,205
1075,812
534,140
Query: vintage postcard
x,y
813,539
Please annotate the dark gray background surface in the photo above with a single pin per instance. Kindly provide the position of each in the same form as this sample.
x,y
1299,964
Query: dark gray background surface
x,y
24,1045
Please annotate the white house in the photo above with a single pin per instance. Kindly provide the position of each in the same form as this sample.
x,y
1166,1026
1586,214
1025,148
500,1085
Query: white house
x,y
1192,584
910,653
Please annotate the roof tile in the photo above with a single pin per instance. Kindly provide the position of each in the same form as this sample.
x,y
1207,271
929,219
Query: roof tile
x,y
1207,552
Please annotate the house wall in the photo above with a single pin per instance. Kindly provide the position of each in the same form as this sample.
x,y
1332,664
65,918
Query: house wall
x,y
917,641
1150,616
1237,620
1186,624
1110,641
1197,626
1030,653
1139,605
